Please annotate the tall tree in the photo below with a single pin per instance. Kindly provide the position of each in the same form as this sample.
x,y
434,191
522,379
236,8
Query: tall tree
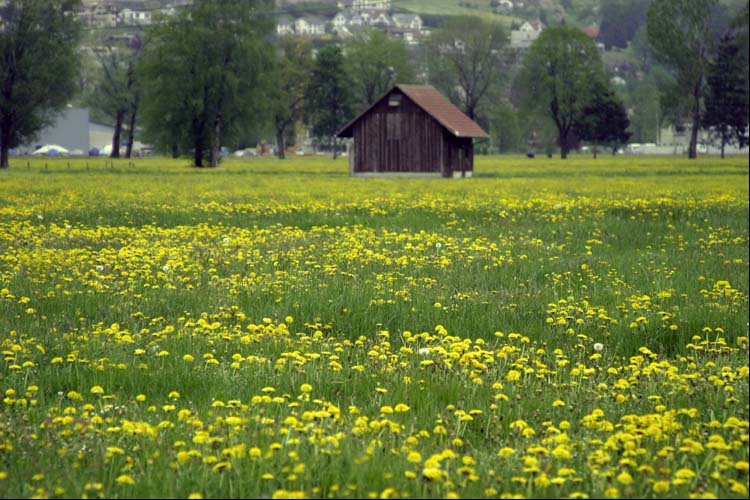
x,y
620,20
204,73
726,115
679,32
115,93
603,120
293,70
328,97
38,66
375,62
505,132
468,58
557,76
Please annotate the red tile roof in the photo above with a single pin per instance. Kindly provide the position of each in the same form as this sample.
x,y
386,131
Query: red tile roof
x,y
436,105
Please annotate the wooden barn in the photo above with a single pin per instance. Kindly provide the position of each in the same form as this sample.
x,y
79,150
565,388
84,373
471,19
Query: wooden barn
x,y
412,129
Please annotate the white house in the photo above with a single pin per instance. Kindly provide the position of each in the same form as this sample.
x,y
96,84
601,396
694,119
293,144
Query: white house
x,y
130,17
408,21
526,34
371,4
309,26
285,26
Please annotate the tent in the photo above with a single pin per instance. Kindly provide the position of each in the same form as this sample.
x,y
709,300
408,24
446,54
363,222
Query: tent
x,y
50,150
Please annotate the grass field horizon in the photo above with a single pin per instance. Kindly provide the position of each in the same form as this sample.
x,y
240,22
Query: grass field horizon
x,y
545,329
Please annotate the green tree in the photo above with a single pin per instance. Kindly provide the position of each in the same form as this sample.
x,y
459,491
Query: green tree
x,y
38,66
328,96
558,74
115,93
505,131
293,70
620,20
603,120
679,32
647,115
726,114
204,74
375,62
467,60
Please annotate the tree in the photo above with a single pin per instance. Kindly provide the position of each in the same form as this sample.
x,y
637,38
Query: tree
x,y
204,74
293,70
115,93
38,66
468,58
603,120
558,74
679,32
505,132
726,114
375,62
620,20
328,96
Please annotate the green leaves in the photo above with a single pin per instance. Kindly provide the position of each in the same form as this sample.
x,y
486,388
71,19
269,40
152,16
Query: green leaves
x,y
38,66
558,74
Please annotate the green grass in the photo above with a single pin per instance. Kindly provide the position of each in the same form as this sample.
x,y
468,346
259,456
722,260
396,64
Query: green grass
x,y
445,329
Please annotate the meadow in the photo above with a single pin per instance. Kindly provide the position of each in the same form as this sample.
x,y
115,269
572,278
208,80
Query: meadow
x,y
278,329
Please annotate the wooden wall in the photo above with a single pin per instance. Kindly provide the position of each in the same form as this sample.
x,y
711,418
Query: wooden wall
x,y
405,138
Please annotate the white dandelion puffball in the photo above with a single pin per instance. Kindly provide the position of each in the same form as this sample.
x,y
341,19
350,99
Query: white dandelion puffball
x,y
424,351
598,347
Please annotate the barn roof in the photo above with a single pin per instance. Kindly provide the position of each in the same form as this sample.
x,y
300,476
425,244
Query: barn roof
x,y
434,104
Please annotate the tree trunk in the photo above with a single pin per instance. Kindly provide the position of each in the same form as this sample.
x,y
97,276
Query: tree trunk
x,y
723,144
693,148
4,145
131,128
198,156
216,144
175,151
595,148
4,155
280,143
333,142
115,153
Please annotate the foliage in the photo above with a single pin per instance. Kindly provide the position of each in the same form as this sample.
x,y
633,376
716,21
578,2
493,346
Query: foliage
x,y
558,74
603,120
620,20
547,329
329,96
293,69
467,60
203,73
726,114
647,115
680,37
375,62
38,66
115,93
505,131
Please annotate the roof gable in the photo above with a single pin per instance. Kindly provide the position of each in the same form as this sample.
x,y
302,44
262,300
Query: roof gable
x,y
434,104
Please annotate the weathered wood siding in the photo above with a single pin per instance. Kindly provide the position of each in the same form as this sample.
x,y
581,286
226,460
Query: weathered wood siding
x,y
401,138
458,155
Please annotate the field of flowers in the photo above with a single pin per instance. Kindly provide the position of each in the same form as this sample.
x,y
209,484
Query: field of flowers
x,y
268,329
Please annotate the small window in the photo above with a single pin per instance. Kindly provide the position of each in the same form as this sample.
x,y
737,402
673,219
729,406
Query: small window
x,y
394,100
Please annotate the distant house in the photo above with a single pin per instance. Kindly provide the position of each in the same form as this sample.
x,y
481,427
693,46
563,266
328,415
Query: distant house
x,y
408,21
135,17
412,129
526,34
285,26
371,4
309,26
